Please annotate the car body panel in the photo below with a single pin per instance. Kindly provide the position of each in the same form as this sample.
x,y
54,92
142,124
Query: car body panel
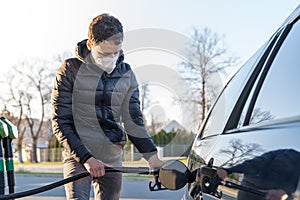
x,y
236,130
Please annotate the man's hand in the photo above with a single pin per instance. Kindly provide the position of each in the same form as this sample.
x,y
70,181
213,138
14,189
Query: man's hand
x,y
222,173
155,162
276,195
95,167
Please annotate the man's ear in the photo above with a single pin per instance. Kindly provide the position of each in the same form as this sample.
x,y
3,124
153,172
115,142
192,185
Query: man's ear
x,y
89,45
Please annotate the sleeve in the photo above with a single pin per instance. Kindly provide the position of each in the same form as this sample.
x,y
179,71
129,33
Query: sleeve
x,y
62,115
253,166
133,121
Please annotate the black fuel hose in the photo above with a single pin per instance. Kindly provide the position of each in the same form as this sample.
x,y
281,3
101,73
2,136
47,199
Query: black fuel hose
x,y
136,170
44,188
243,188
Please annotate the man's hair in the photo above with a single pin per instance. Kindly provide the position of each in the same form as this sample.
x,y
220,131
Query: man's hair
x,y
105,27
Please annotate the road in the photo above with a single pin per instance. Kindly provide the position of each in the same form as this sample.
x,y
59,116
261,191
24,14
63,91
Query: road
x,y
133,188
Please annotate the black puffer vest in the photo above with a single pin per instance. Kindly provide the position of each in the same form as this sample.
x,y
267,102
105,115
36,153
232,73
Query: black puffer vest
x,y
86,99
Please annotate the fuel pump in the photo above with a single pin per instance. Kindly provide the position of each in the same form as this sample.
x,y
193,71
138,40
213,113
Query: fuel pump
x,y
8,153
3,134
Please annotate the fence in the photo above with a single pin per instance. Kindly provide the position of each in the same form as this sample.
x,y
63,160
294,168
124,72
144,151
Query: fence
x,y
130,153
170,150
43,155
50,155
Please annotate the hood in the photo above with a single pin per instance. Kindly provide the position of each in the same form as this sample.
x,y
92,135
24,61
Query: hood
x,y
83,53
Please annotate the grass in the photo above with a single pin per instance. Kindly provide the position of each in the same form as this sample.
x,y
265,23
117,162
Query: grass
x,y
141,162
22,171
39,163
26,172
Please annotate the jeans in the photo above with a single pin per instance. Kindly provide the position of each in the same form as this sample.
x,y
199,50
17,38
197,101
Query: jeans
x,y
107,187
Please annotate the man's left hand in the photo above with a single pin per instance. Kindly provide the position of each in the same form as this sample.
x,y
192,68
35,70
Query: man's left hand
x,y
276,195
155,162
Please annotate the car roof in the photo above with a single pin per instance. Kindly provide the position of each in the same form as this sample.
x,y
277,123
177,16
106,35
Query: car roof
x,y
292,17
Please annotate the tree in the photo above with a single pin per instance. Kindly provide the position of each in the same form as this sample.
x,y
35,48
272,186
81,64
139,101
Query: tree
x,y
154,125
60,58
145,104
205,56
260,116
145,101
237,152
27,97
163,138
38,80
14,103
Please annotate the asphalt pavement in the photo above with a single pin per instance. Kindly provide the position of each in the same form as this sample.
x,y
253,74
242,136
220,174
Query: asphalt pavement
x,y
133,188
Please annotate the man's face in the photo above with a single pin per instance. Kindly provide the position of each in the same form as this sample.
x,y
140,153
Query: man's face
x,y
106,48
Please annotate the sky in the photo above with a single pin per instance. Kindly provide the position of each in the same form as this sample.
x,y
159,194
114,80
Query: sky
x,y
43,28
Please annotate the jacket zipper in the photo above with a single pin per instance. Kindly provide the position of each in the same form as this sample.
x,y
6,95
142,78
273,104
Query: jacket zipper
x,y
103,111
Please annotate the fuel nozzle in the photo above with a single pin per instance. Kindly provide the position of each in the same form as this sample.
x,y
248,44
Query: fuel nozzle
x,y
209,180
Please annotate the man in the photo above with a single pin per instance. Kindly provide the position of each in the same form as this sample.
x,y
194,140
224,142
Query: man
x,y
275,172
94,95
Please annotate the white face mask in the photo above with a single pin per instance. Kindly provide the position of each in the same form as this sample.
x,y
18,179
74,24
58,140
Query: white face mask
x,y
107,64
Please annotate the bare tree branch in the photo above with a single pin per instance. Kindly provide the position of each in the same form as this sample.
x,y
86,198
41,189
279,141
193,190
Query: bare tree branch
x,y
239,152
33,96
206,56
